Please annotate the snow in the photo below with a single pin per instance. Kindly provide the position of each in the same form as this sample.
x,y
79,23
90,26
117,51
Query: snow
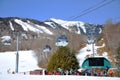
x,y
36,28
88,50
26,26
11,26
46,50
45,29
105,54
27,61
67,24
6,37
53,77
51,24
100,31
83,53
6,40
24,36
61,43
81,24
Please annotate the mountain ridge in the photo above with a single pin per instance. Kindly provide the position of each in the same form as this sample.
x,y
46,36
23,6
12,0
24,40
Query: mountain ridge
x,y
51,22
48,31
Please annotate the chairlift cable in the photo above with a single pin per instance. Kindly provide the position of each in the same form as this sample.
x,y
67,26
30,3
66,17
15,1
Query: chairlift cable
x,y
88,9
91,9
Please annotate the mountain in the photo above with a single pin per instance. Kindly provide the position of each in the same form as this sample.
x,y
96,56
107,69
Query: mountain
x,y
46,32
25,24
45,36
76,26
22,24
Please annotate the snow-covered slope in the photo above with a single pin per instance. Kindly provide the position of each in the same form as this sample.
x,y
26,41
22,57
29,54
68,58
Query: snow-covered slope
x,y
67,24
88,51
52,77
78,26
24,24
51,28
35,28
27,61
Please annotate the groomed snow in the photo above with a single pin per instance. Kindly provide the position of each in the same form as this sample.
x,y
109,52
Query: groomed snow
x,y
11,26
44,29
27,61
26,26
36,28
53,77
88,50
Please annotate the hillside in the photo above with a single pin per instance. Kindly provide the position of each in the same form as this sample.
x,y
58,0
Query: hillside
x,y
45,37
35,34
111,37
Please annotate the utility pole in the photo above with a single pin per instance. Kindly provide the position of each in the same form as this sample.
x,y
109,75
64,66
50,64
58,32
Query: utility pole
x,y
92,42
93,48
17,54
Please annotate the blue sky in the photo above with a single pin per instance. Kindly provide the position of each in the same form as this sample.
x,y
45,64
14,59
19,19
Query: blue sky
x,y
60,9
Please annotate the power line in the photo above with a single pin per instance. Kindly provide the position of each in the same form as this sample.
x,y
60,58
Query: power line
x,y
92,9
89,8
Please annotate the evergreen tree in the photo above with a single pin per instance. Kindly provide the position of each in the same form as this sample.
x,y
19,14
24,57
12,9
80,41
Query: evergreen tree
x,y
63,58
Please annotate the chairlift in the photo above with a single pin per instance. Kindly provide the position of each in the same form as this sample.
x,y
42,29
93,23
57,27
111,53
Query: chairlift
x,y
61,40
6,40
47,48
